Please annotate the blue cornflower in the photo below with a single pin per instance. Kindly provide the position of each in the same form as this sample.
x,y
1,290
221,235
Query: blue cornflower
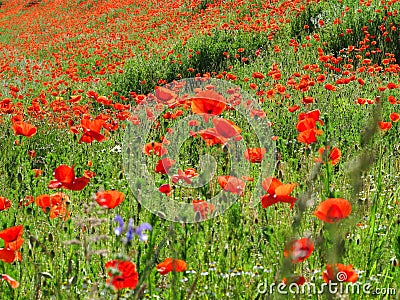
x,y
131,231
139,231
120,229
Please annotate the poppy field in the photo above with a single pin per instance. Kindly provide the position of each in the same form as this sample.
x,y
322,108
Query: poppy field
x,y
199,149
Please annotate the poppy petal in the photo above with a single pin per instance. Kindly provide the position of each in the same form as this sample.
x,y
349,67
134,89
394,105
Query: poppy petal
x,y
7,255
109,199
169,265
11,234
4,203
64,174
122,274
226,128
78,184
231,184
13,283
299,250
268,200
285,189
333,209
269,184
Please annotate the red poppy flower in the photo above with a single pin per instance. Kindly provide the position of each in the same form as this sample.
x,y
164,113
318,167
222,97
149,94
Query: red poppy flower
x,y
164,140
60,210
13,240
9,256
181,176
163,165
330,87
361,101
321,78
253,86
307,127
392,99
13,283
307,100
257,75
394,117
191,172
122,274
203,208
91,130
26,201
32,154
334,155
254,155
64,174
309,136
313,114
92,94
47,201
299,250
211,137
385,125
193,123
37,172
56,204
257,112
12,237
154,148
109,199
333,209
226,128
88,174
6,106
65,178
293,108
17,118
23,128
4,203
165,95
298,280
247,178
208,102
165,189
75,98
171,265
306,124
339,273
232,184
277,192
223,131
